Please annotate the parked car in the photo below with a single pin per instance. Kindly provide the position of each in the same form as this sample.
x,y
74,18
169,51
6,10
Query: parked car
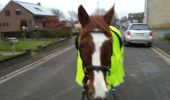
x,y
138,33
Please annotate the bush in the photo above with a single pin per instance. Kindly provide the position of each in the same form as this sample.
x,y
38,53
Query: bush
x,y
62,32
167,36
13,34
49,33
23,22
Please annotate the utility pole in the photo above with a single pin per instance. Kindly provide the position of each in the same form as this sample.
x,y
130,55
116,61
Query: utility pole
x,y
98,7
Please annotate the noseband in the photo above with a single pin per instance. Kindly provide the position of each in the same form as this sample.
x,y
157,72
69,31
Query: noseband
x,y
96,68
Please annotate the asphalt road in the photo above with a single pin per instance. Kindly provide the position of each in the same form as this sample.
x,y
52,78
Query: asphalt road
x,y
147,78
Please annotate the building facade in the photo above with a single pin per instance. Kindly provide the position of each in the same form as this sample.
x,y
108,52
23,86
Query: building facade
x,y
34,14
136,17
157,13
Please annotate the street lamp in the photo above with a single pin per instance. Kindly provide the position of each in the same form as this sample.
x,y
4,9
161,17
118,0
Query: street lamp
x,y
98,7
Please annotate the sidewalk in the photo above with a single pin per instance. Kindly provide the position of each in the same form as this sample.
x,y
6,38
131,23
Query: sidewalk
x,y
163,45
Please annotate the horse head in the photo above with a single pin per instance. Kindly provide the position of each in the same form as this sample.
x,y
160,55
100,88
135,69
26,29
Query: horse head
x,y
95,51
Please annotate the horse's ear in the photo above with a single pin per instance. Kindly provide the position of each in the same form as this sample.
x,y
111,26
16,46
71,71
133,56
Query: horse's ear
x,y
109,15
82,16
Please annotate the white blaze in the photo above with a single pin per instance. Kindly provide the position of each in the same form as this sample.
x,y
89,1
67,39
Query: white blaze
x,y
99,82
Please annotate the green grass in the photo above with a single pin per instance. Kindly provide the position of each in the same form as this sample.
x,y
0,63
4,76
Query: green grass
x,y
23,45
167,36
3,57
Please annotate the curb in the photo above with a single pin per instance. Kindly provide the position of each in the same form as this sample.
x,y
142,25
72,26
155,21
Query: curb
x,y
28,53
161,51
32,65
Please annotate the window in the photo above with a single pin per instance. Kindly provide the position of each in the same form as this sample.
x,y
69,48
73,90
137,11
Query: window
x,y
7,24
7,13
18,12
30,22
0,24
3,24
38,9
139,27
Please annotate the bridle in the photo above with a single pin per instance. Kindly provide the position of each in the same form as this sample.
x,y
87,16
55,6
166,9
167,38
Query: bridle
x,y
97,68
94,68
86,69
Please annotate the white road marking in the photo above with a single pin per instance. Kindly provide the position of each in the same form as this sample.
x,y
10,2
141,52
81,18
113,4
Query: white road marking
x,y
162,54
32,65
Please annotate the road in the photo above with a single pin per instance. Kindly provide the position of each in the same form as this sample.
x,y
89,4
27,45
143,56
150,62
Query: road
x,y
147,78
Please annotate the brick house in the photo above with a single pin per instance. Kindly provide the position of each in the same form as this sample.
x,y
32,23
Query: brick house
x,y
35,15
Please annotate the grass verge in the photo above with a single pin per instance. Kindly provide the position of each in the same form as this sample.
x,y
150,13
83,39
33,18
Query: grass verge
x,y
23,45
167,36
3,57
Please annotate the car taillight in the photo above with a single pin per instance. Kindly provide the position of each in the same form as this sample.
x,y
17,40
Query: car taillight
x,y
151,33
128,33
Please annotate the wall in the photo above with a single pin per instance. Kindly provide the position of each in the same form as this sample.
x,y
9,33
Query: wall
x,y
157,13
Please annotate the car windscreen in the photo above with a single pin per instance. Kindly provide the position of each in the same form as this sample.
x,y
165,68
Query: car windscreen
x,y
139,27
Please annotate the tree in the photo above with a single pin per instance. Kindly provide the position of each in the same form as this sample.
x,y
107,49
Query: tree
x,y
23,27
72,17
23,23
116,20
0,7
57,13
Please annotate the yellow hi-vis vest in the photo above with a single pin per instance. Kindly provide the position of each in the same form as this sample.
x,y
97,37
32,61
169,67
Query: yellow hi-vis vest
x,y
116,74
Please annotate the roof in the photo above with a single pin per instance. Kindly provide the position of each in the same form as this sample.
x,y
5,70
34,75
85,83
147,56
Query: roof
x,y
35,9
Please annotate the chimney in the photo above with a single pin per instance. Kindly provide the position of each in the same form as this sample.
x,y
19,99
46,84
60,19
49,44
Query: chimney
x,y
39,3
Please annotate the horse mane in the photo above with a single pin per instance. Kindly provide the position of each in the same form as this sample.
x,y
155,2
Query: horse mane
x,y
95,22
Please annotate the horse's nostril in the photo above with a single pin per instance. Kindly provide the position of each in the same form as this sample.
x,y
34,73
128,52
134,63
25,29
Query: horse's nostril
x,y
100,99
91,93
106,93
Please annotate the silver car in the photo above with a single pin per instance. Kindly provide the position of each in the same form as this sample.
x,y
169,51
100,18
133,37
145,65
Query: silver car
x,y
138,33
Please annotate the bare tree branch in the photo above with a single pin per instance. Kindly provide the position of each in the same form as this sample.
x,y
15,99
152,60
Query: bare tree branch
x,y
72,18
58,13
0,7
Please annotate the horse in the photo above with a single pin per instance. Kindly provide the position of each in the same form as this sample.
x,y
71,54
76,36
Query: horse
x,y
95,46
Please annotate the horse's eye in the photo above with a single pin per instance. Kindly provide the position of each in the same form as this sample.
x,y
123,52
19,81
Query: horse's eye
x,y
81,46
105,32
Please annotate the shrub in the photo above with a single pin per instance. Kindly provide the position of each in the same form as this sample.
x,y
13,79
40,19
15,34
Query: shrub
x,y
23,22
48,33
13,34
62,32
167,36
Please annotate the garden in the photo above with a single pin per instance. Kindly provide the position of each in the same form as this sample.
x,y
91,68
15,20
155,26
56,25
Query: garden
x,y
31,42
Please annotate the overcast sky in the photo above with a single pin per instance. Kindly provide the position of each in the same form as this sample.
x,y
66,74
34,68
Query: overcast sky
x,y
122,7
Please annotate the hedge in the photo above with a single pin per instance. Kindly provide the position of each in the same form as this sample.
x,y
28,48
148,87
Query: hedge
x,y
48,33
13,34
167,36
66,32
